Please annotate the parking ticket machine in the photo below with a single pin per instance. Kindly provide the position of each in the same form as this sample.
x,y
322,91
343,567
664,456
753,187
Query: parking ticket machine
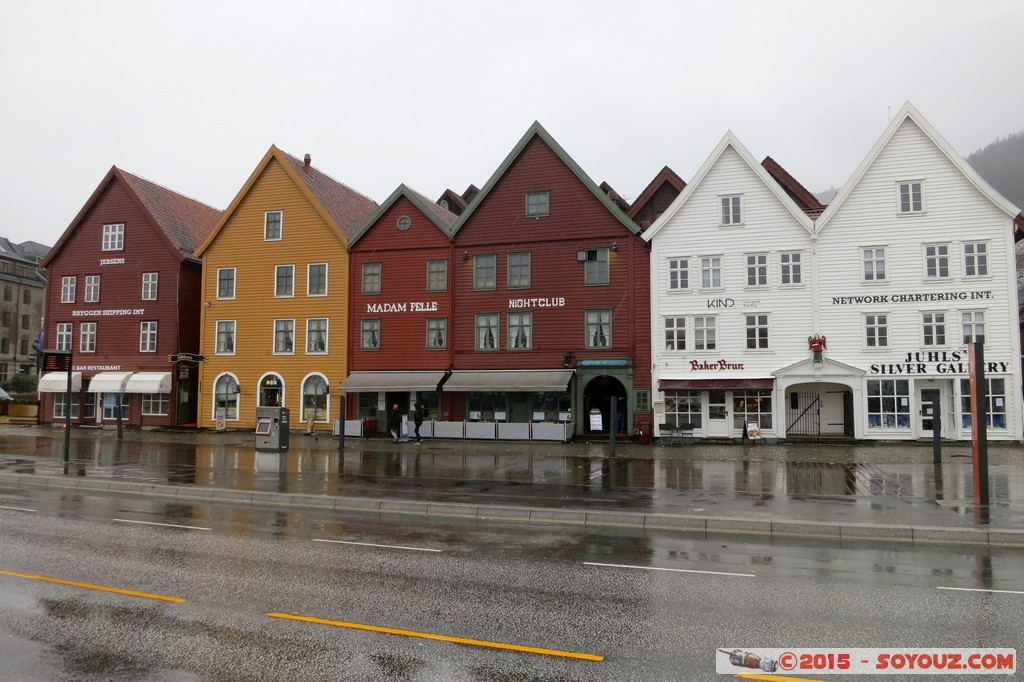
x,y
272,424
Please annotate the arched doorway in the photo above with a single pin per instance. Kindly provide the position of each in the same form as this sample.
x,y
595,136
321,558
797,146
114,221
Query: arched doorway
x,y
598,396
271,391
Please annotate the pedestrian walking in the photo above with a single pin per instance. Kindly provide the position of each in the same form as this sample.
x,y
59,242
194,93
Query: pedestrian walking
x,y
395,423
417,417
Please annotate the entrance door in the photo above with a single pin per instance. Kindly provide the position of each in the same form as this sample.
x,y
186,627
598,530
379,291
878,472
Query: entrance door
x,y
931,412
718,415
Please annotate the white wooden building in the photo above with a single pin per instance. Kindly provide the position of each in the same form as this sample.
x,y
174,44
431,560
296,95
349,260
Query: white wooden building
x,y
853,322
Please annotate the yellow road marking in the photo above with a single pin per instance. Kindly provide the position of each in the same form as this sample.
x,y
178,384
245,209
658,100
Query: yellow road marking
x,y
90,586
443,638
776,678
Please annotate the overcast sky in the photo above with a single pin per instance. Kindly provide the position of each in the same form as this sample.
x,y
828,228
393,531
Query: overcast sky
x,y
435,94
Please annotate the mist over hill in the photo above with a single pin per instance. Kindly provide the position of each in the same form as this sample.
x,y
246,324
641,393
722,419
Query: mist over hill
x,y
1001,163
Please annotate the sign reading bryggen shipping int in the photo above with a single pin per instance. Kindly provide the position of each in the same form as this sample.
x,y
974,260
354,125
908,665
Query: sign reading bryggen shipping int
x,y
935,362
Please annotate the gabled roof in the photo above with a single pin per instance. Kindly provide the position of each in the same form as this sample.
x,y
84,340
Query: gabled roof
x,y
181,222
454,200
908,113
537,130
616,198
665,175
729,141
797,192
441,217
341,207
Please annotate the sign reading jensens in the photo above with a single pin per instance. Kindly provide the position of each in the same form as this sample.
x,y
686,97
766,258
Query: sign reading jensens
x,y
934,362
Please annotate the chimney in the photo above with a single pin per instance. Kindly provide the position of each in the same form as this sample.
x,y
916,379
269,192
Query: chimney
x,y
305,165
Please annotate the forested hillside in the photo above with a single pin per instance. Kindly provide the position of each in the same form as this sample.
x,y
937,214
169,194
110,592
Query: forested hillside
x,y
1002,165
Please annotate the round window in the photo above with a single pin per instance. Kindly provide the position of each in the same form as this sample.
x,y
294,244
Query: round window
x,y
404,223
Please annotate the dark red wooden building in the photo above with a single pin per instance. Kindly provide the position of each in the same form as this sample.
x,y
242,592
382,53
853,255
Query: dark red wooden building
x,y
124,297
551,308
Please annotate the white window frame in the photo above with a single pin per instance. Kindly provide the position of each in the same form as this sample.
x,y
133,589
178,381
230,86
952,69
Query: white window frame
x,y
538,204
277,279
280,226
87,337
156,404
150,285
237,398
225,330
369,334
371,278
309,280
936,258
487,326
437,273
871,258
284,336
791,268
710,272
596,320
234,283
678,274
705,332
147,336
757,270
520,321
675,332
876,331
756,327
67,289
326,335
933,328
971,321
113,237
730,211
64,334
92,289
435,325
908,187
977,261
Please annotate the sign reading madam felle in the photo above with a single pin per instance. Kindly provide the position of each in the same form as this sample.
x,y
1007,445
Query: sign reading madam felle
x,y
404,307
935,362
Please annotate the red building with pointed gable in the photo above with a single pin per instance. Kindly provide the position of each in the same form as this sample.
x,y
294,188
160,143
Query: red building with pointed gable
x,y
123,297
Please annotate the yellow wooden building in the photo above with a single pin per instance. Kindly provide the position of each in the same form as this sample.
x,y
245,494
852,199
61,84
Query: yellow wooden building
x,y
275,296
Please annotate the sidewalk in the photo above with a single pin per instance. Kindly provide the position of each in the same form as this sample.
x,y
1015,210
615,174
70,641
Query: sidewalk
x,y
841,493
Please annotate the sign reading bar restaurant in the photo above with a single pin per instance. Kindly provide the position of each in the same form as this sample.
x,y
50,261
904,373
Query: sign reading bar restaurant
x,y
935,362
405,307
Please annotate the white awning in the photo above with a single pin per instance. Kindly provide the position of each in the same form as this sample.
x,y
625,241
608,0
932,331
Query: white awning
x,y
149,382
57,382
109,382
509,380
366,382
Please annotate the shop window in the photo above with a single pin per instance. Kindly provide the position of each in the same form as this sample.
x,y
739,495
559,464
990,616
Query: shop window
x,y
995,403
156,404
314,398
752,406
683,407
888,404
110,407
225,398
60,405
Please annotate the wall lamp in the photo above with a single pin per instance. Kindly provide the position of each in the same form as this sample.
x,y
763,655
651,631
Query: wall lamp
x,y
569,360
614,246
465,255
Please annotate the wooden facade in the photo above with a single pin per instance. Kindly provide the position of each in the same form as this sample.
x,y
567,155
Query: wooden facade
x,y
275,296
123,297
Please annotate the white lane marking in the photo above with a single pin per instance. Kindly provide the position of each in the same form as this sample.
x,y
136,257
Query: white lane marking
x,y
165,525
370,544
673,570
18,508
978,589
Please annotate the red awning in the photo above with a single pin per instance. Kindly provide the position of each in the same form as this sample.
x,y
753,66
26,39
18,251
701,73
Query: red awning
x,y
713,384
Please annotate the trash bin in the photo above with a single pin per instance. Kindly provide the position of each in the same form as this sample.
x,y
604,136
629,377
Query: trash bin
x,y
272,424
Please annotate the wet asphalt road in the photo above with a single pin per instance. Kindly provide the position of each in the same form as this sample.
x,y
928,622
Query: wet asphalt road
x,y
559,589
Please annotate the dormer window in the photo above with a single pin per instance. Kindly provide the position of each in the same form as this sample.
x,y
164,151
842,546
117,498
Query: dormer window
x,y
732,212
911,197
537,204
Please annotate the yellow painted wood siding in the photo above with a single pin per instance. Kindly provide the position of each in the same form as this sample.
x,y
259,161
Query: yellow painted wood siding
x,y
240,244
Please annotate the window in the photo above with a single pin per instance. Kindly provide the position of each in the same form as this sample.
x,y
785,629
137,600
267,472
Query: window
x,y
225,282
5,347
731,213
757,331
284,280
371,278
936,261
520,331
704,337
25,321
752,406
789,266
678,273
8,291
888,403
156,404
367,405
934,329
23,345
437,333
316,279
910,197
7,318
485,271
67,289
683,407
60,405
113,237
675,333
149,285
975,259
284,336
757,270
995,403
370,335
874,265
596,267
876,328
437,275
110,401
272,225
92,288
314,398
711,272
63,336
26,296
87,337
537,203
486,331
642,400
316,335
147,337
225,337
519,270
599,329
225,398
973,325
